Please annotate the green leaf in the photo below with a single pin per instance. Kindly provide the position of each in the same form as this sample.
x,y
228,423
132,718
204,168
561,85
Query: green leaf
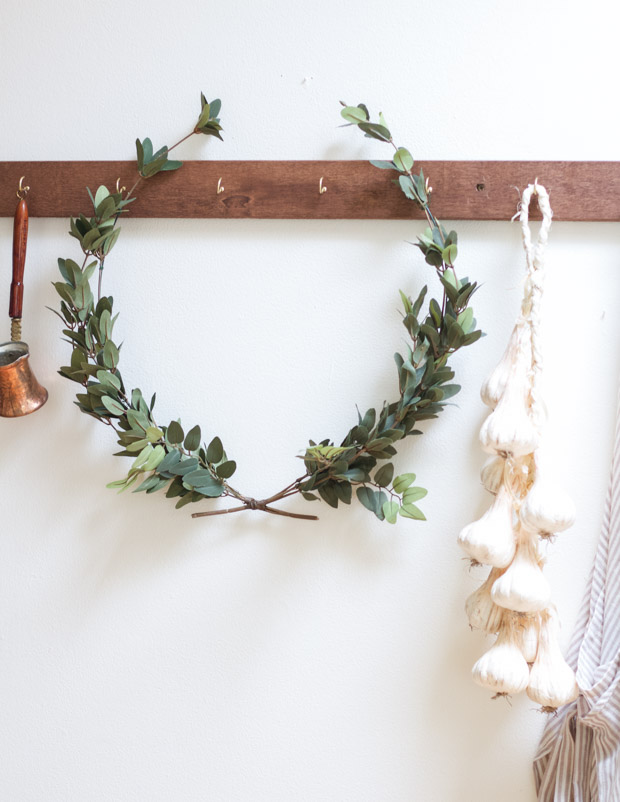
x,y
226,469
375,131
176,487
192,439
170,165
466,319
210,490
215,451
106,209
402,482
149,482
139,155
355,475
412,494
153,434
372,500
328,493
110,355
184,466
411,511
142,457
110,240
384,475
171,459
367,497
383,165
199,477
449,390
406,184
101,194
112,406
390,510
138,445
110,379
368,421
353,114
155,457
175,433
449,254
187,498
403,160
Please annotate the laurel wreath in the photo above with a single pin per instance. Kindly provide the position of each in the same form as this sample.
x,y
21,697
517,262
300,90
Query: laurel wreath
x,y
190,470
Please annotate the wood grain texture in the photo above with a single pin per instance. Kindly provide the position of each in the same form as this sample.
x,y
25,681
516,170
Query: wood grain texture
x,y
20,240
462,190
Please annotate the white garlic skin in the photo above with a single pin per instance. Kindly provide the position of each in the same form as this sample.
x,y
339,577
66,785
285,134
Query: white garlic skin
x,y
527,630
547,507
482,612
523,586
492,474
491,540
509,428
552,681
502,669
516,352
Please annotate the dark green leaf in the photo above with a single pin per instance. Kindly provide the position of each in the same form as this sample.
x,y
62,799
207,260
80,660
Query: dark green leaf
x,y
384,475
175,433
192,439
215,451
226,469
375,131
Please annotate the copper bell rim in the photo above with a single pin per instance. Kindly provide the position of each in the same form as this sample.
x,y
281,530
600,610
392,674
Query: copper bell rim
x,y
20,392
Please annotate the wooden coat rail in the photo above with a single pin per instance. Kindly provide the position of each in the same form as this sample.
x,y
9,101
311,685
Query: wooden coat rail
x,y
462,190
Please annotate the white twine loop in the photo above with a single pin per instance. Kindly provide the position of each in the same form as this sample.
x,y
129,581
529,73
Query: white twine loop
x,y
531,306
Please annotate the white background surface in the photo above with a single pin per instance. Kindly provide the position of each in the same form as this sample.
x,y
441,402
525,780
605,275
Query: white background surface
x,y
148,657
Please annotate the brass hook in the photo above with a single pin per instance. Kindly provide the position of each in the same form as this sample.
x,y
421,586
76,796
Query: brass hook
x,y
22,189
322,189
119,189
220,188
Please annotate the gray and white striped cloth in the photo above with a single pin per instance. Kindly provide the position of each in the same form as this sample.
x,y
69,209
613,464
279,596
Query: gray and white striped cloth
x,y
578,759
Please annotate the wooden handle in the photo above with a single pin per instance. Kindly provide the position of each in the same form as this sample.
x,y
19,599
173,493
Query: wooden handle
x,y
20,238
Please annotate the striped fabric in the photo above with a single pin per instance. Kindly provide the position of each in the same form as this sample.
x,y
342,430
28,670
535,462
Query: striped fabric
x,y
578,758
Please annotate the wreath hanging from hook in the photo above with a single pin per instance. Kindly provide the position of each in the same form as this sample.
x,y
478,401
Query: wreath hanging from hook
x,y
168,457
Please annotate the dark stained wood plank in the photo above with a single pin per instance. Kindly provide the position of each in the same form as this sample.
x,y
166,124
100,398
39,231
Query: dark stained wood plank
x,y
462,190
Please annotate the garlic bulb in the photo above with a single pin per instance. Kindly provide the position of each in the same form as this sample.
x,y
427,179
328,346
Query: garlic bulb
x,y
494,386
552,681
482,612
509,428
527,629
522,587
491,540
492,474
503,668
547,508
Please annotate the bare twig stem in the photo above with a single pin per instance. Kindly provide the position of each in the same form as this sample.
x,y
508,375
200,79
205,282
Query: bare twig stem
x,y
262,507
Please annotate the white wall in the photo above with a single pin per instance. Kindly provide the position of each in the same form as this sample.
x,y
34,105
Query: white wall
x,y
149,657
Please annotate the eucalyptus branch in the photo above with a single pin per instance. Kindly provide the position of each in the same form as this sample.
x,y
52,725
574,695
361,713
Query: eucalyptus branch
x,y
190,470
